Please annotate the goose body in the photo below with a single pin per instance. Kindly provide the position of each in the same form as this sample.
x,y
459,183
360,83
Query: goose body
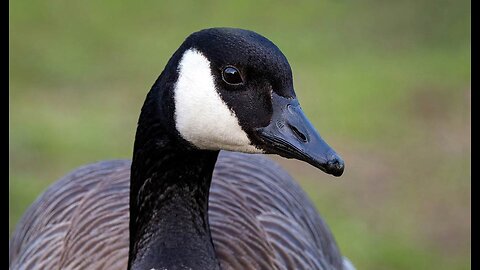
x,y
259,220
181,203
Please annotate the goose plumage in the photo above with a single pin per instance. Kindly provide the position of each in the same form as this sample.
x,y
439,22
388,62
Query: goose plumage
x,y
182,204
258,220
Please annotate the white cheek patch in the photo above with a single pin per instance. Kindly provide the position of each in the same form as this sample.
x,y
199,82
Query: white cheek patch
x,y
201,116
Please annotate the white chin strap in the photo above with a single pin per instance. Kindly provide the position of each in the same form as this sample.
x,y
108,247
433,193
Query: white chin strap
x,y
201,116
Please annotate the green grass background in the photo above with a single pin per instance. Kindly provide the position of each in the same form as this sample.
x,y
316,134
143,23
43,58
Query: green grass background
x,y
387,84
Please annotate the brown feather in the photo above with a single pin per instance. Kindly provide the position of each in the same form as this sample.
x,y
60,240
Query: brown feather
x,y
259,219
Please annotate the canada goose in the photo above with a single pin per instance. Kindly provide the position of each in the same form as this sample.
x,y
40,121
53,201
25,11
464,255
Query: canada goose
x,y
223,89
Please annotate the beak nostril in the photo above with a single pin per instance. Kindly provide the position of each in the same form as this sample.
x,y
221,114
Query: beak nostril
x,y
299,134
290,108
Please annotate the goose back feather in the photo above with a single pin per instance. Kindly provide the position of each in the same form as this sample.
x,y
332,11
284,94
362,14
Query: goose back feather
x,y
260,220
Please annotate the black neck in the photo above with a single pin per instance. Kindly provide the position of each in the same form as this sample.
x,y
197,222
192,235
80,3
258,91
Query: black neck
x,y
169,190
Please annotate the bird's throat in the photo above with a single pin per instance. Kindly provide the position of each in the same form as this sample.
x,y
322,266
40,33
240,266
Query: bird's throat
x,y
169,204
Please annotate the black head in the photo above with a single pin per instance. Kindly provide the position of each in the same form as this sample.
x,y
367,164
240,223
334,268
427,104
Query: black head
x,y
232,89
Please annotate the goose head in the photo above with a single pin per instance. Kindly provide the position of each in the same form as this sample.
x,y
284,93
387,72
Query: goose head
x,y
232,89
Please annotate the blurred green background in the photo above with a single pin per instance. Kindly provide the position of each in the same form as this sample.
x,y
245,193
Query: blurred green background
x,y
387,84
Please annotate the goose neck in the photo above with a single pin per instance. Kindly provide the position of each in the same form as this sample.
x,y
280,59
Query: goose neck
x,y
169,206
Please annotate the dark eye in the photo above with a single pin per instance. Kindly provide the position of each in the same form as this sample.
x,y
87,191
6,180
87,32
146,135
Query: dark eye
x,y
231,75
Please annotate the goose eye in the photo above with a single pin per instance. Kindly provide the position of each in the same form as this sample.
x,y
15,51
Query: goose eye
x,y
231,75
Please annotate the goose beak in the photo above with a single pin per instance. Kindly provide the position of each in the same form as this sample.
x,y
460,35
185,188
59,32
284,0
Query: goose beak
x,y
290,134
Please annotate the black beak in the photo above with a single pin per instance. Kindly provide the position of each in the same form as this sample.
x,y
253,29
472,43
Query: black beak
x,y
290,134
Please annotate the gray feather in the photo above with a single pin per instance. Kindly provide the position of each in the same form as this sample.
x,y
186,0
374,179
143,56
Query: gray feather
x,y
259,219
